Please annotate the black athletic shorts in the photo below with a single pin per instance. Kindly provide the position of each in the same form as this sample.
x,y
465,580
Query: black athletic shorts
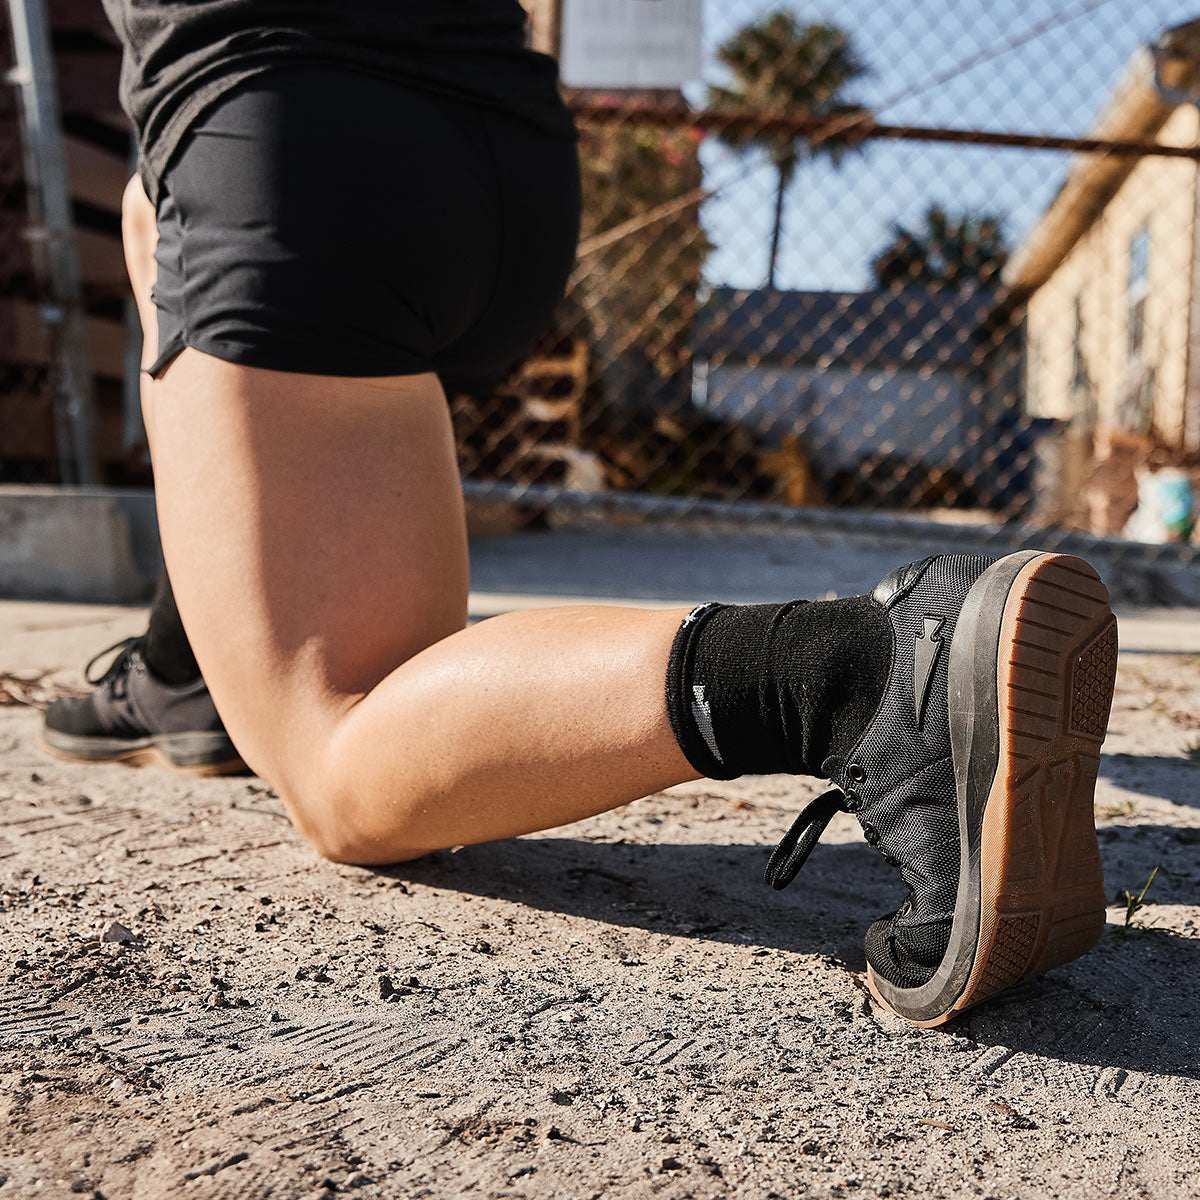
x,y
338,223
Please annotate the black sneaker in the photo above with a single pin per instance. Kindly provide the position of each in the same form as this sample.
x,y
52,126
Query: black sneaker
x,y
975,777
133,717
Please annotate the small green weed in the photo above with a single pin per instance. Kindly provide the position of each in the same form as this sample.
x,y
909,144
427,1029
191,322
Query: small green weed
x,y
1135,904
1123,808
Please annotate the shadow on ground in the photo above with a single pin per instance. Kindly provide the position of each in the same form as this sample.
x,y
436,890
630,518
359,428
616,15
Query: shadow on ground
x,y
690,890
1159,776
1128,1004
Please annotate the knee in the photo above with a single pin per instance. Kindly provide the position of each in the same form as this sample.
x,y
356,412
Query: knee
x,y
326,817
346,825
343,805
340,833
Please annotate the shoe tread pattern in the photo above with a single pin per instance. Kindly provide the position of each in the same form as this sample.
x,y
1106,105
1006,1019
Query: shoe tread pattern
x,y
1009,957
1043,901
1093,669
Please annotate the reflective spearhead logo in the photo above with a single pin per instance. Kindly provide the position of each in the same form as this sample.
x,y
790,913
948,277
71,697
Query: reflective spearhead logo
x,y
926,648
702,715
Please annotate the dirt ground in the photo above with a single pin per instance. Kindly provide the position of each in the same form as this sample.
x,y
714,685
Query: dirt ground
x,y
192,1003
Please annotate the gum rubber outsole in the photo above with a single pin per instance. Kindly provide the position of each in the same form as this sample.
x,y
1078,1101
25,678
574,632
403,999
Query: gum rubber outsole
x,y
1031,892
146,756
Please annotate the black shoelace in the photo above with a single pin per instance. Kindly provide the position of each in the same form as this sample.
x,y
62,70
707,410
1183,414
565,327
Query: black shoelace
x,y
118,669
797,844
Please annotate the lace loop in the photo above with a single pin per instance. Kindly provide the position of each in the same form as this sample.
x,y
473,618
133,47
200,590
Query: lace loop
x,y
797,844
118,664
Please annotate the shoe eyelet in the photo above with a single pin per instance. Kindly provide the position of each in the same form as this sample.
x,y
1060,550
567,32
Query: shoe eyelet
x,y
853,800
871,834
856,772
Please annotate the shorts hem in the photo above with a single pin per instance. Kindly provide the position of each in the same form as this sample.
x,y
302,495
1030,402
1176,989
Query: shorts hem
x,y
250,356
166,356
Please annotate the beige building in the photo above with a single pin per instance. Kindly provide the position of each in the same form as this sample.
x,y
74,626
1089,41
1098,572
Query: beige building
x,y
1112,274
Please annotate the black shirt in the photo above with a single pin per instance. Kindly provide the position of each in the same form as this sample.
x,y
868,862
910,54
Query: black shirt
x,y
182,55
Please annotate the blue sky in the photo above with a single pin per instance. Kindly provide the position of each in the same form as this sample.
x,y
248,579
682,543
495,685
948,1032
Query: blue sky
x,y
836,219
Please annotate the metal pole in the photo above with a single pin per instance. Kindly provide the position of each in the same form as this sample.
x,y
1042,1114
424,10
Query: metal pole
x,y
52,235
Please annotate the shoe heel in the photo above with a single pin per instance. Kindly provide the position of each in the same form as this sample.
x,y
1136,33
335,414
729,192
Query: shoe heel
x,y
1043,900
199,754
1038,710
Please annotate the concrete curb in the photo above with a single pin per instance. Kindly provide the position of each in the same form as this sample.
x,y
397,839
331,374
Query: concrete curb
x,y
88,544
101,545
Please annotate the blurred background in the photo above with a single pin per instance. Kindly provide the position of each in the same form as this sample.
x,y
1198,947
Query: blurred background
x,y
901,270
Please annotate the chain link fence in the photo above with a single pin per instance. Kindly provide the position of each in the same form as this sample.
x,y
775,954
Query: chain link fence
x,y
887,261
894,259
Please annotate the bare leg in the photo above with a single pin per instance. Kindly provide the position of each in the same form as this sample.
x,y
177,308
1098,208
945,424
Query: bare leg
x,y
313,528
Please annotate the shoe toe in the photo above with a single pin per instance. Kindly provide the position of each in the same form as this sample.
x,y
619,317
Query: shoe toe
x,y
906,955
75,715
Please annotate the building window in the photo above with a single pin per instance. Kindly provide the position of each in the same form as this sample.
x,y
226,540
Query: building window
x,y
1079,371
1139,287
700,396
1033,372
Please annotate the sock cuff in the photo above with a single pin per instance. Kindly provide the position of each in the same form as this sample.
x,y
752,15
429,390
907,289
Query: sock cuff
x,y
688,712
757,689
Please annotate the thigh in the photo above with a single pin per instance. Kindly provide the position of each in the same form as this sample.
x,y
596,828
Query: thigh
x,y
313,529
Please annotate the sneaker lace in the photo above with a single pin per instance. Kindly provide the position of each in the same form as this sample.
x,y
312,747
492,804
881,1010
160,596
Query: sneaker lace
x,y
118,669
797,844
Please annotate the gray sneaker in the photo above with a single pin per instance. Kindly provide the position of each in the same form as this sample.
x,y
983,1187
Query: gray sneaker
x,y
133,717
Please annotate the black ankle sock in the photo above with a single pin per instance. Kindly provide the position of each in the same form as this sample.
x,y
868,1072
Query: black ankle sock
x,y
758,689
168,653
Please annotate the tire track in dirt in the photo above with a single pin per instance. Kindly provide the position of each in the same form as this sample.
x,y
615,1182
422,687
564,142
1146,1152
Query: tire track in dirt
x,y
167,1039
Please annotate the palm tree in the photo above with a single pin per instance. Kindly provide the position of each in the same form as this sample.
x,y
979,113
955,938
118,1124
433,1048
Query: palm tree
x,y
952,252
783,68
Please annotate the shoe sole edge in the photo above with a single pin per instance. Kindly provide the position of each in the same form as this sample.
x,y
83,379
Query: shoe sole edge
x,y
198,754
1027,743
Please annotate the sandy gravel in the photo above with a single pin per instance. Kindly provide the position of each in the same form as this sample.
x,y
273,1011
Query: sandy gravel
x,y
192,1003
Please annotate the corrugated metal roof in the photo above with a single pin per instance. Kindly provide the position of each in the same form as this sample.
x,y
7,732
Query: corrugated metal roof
x,y
914,326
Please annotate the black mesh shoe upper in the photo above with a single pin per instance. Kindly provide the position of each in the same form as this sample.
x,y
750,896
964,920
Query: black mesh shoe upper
x,y
129,701
898,779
